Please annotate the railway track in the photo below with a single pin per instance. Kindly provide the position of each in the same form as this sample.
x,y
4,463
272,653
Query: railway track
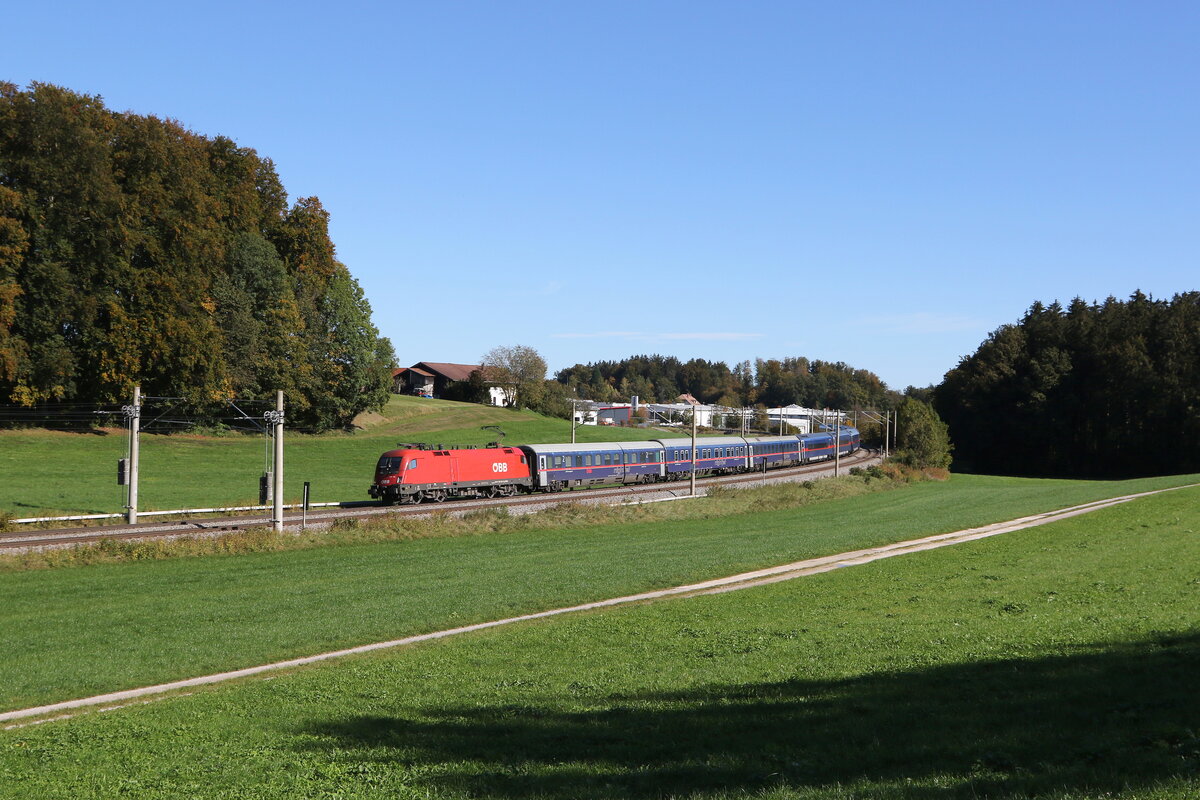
x,y
217,526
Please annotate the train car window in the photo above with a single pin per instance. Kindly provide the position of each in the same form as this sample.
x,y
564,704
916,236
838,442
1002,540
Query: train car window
x,y
579,461
412,464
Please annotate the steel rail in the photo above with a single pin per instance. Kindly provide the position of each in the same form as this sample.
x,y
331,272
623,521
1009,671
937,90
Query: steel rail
x,y
77,536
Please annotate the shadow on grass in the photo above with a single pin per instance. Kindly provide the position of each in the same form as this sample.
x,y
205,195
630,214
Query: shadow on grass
x,y
1108,719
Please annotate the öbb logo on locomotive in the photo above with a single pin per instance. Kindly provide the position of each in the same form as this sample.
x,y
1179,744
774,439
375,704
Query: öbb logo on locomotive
x,y
413,475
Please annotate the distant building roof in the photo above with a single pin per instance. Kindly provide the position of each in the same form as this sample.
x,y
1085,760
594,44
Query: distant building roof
x,y
687,398
451,372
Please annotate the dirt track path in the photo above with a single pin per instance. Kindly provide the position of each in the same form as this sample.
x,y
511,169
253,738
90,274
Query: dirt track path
x,y
731,583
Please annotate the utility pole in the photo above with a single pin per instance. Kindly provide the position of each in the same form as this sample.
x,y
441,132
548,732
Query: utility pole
x,y
887,432
275,419
837,442
134,414
693,451
574,418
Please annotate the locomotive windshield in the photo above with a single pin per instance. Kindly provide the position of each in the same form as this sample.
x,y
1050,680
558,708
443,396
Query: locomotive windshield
x,y
388,465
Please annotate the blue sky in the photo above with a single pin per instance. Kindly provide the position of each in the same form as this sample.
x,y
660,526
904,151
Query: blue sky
x,y
876,183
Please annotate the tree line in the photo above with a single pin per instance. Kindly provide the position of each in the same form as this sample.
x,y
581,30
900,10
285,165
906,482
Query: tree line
x,y
768,382
1096,390
134,251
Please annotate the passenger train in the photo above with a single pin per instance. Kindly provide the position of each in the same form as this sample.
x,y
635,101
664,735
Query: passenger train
x,y
417,474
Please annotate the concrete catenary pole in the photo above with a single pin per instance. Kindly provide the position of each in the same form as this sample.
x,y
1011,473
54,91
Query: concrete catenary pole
x,y
693,451
574,418
134,413
837,442
277,508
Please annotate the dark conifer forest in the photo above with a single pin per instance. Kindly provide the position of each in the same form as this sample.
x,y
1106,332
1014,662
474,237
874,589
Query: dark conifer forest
x,y
135,251
1096,390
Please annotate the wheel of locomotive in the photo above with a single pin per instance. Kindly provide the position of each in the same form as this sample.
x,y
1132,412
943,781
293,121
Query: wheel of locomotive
x,y
492,492
438,496
388,500
417,497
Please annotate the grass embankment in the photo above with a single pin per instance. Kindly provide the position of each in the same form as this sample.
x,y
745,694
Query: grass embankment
x,y
88,630
1058,662
50,473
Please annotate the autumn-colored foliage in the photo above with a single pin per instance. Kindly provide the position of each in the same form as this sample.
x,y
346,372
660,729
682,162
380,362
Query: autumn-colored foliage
x,y
134,251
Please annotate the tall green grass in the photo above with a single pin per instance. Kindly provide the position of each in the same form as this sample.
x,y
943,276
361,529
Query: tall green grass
x,y
1058,662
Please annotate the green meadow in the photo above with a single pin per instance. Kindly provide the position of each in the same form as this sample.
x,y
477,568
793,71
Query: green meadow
x,y
49,473
82,630
1057,662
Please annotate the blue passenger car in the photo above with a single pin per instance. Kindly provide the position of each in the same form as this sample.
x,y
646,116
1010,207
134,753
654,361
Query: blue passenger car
x,y
643,462
713,454
819,446
559,466
815,447
848,439
774,451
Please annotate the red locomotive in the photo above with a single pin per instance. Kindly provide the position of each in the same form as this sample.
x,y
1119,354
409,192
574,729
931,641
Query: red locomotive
x,y
414,475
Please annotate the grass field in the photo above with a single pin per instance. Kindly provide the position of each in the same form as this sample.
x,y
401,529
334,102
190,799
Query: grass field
x,y
87,630
1058,662
47,473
